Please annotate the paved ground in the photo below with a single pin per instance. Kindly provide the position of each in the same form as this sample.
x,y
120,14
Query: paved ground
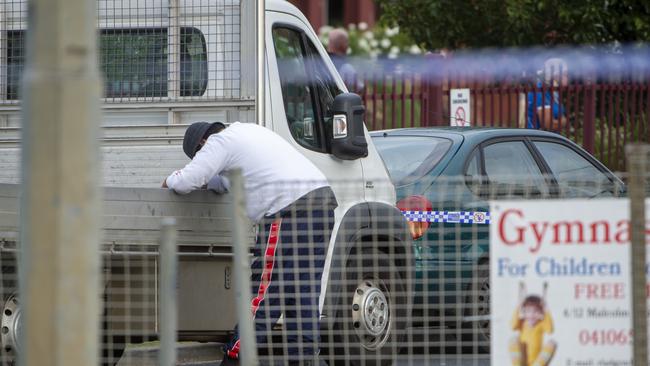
x,y
188,354
482,360
209,354
437,361
430,361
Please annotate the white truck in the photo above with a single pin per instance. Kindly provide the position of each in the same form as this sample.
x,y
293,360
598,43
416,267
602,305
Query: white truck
x,y
166,64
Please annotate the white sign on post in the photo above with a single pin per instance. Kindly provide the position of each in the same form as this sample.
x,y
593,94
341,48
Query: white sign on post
x,y
459,108
560,282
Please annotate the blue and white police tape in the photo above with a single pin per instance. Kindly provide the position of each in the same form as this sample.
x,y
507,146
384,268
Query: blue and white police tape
x,y
452,217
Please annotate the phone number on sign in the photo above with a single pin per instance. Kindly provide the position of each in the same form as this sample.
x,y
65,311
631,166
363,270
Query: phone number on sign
x,y
605,337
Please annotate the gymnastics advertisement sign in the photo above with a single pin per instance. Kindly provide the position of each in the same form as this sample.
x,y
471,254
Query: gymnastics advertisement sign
x,y
560,281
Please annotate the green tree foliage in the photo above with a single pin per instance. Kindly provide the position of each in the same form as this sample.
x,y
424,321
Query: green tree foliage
x,y
436,24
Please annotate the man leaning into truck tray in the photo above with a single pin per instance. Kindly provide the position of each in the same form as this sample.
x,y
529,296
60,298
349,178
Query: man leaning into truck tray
x,y
291,200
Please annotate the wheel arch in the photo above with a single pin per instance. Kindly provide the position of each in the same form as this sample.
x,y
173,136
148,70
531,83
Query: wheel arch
x,y
362,226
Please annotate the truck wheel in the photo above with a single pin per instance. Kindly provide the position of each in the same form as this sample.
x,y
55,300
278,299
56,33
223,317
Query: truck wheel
x,y
478,308
12,327
372,313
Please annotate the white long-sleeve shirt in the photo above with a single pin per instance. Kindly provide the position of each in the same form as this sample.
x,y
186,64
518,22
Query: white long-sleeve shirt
x,y
275,173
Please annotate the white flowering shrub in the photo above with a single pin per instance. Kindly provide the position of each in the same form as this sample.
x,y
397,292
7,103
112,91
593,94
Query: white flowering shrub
x,y
378,41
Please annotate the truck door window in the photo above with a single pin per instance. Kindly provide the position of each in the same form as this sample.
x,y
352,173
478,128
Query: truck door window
x,y
324,84
299,76
134,62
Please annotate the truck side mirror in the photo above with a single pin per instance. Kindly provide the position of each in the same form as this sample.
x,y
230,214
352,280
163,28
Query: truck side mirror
x,y
348,139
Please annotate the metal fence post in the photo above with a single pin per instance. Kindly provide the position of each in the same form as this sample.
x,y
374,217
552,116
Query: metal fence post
x,y
248,47
432,92
168,300
174,59
60,206
637,160
261,56
248,354
589,137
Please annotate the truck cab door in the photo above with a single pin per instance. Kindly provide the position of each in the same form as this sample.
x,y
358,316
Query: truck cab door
x,y
302,87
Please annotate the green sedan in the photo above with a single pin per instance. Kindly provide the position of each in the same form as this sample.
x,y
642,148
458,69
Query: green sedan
x,y
444,178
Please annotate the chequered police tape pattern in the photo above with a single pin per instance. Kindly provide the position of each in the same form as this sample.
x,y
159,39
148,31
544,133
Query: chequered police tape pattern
x,y
453,217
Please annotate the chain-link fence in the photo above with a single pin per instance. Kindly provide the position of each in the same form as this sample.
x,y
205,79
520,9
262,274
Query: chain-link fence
x,y
132,302
418,289
523,225
395,285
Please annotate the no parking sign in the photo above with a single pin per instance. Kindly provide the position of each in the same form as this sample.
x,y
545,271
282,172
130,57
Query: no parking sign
x,y
459,107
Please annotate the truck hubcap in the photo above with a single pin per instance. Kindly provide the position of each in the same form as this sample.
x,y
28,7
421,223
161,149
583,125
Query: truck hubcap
x,y
370,314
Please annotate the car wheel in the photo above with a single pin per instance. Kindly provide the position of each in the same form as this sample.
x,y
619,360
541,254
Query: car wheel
x,y
477,314
372,314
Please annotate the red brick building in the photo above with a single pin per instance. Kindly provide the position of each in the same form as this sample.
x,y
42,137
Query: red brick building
x,y
338,12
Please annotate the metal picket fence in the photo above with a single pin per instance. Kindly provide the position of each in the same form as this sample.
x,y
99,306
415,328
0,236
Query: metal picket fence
x,y
607,107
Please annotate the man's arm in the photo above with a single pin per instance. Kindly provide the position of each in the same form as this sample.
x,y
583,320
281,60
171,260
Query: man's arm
x,y
550,111
207,163
219,184
550,120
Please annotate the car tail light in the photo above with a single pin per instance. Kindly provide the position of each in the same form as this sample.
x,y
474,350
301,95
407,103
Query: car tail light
x,y
417,209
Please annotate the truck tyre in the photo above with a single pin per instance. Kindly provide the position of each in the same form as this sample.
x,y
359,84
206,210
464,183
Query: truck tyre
x,y
477,309
372,313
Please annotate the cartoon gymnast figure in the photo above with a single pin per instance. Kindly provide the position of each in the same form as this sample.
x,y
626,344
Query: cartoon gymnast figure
x,y
532,322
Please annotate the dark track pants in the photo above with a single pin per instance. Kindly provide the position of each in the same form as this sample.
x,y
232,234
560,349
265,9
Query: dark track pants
x,y
286,275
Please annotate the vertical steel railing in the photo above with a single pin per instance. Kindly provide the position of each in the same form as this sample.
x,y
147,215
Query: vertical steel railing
x,y
60,207
248,353
168,294
637,160
260,52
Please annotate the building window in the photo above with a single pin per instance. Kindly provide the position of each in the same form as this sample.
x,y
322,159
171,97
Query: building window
x,y
335,9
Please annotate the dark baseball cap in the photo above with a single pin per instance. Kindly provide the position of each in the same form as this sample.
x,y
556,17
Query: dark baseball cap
x,y
194,134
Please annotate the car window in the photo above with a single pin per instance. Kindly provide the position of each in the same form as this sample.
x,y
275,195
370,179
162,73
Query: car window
x,y
575,175
408,158
297,94
512,171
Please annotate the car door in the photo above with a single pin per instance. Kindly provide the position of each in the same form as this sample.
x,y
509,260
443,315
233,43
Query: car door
x,y
504,168
458,239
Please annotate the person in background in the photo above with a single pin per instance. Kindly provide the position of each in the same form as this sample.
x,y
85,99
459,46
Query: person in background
x,y
291,200
337,48
544,108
